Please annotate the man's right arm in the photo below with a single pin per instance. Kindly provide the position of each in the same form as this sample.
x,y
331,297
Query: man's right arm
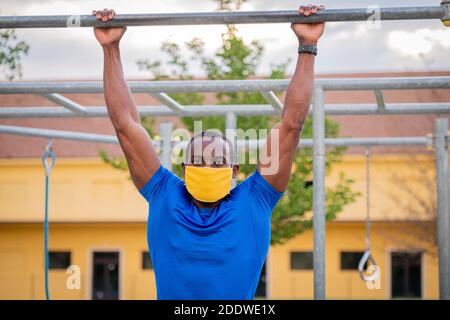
x,y
141,156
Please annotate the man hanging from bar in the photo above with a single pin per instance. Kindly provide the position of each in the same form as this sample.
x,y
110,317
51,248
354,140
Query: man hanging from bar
x,y
206,239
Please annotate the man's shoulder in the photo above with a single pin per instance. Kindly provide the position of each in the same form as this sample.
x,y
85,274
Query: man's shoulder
x,y
243,186
164,183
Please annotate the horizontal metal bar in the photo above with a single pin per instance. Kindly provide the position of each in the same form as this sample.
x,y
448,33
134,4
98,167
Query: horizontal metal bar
x,y
338,142
65,102
384,83
385,141
391,108
208,18
154,111
147,86
252,144
58,134
273,100
221,110
64,135
227,85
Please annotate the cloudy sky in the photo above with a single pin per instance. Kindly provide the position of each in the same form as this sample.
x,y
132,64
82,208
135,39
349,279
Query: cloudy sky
x,y
346,47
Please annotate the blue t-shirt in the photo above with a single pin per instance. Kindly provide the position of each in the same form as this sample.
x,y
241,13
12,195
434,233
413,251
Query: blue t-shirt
x,y
213,253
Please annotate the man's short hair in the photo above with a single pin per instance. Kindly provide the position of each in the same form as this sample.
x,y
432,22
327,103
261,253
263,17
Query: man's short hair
x,y
212,134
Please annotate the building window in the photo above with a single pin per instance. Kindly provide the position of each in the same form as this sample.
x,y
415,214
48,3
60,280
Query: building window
x,y
406,274
350,260
302,260
58,260
146,261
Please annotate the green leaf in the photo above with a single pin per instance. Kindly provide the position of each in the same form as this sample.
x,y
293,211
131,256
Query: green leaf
x,y
11,54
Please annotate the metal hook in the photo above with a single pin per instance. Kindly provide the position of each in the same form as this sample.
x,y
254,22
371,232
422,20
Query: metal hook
x,y
367,257
48,158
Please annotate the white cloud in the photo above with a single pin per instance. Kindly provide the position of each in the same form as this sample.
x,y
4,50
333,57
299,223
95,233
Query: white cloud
x,y
419,41
409,43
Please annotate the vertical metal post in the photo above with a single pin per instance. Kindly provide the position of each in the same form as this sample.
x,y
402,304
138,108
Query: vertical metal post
x,y
319,193
230,131
165,132
443,218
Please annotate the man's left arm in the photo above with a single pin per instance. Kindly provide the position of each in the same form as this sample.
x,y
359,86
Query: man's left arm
x,y
286,133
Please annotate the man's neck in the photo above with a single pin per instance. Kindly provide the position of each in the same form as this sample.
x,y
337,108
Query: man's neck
x,y
203,205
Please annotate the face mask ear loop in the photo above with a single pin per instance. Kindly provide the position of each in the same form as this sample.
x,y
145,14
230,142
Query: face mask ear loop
x,y
233,178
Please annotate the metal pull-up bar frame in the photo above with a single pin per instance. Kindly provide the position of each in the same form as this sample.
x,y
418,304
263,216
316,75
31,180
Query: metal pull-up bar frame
x,y
240,17
266,87
159,89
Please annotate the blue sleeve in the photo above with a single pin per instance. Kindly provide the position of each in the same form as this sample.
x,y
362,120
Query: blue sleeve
x,y
158,185
262,192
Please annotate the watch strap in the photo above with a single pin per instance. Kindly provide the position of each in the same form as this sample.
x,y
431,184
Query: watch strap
x,y
307,48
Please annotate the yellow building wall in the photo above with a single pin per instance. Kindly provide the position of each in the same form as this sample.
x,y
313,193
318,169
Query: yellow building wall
x,y
93,206
22,259
22,264
401,186
87,190
346,284
80,190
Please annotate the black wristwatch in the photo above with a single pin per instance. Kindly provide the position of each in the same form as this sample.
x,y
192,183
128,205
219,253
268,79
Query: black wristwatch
x,y
307,48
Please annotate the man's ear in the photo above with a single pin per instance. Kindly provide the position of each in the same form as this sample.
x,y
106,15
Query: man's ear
x,y
235,170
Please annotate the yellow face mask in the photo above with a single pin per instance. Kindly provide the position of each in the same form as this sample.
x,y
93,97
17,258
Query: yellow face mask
x,y
208,184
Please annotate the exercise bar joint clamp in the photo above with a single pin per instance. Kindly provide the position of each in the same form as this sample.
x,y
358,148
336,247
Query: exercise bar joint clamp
x,y
446,18
48,159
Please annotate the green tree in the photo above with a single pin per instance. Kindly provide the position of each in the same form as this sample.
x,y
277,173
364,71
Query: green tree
x,y
235,59
11,52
